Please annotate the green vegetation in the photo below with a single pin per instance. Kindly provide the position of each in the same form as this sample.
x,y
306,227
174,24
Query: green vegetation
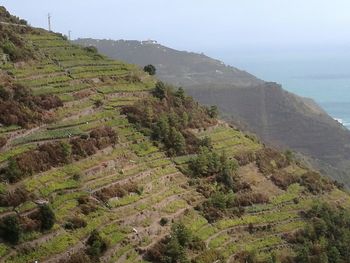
x,y
96,246
326,238
11,41
167,118
55,154
173,249
47,217
209,163
10,229
105,170
150,69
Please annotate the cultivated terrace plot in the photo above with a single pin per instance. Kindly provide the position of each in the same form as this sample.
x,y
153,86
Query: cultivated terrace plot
x,y
99,162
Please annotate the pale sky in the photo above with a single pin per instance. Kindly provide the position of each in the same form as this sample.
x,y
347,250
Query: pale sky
x,y
197,25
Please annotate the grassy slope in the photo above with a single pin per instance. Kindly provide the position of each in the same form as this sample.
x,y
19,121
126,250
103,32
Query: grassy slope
x,y
76,76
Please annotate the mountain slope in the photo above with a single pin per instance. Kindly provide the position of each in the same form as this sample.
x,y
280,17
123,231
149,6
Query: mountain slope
x,y
278,117
179,68
114,166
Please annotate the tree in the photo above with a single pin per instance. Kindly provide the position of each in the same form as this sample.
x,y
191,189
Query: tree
x,y
180,93
177,141
10,229
149,114
175,252
182,234
47,217
185,119
200,165
334,255
150,69
91,49
206,142
160,90
162,129
219,200
289,155
213,112
12,172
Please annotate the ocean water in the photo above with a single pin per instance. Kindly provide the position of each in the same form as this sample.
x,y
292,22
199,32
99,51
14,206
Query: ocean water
x,y
323,75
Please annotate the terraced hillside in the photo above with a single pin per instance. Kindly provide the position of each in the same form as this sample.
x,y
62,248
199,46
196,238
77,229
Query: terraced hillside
x,y
90,183
278,117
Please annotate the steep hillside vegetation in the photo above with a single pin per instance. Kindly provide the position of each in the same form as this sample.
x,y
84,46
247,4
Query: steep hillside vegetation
x,y
128,169
276,116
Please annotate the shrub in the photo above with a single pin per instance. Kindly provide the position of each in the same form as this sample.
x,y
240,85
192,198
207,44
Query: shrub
x,y
88,208
48,102
96,246
246,257
270,160
74,223
79,257
98,103
12,43
315,183
284,179
209,256
14,197
10,229
57,153
163,221
116,190
46,217
150,69
168,117
3,142
46,156
247,199
5,94
11,173
28,224
213,112
173,248
218,205
159,90
19,107
245,158
87,205
91,49
98,138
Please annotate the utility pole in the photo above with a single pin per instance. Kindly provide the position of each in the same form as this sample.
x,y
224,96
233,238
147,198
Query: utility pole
x,y
69,34
49,21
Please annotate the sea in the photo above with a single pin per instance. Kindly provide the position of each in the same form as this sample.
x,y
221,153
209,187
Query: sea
x,y
322,74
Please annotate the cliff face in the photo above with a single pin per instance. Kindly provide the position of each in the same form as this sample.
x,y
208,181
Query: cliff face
x,y
277,116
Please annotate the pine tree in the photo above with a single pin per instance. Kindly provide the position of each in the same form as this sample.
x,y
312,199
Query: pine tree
x,y
177,141
47,217
10,229
159,91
